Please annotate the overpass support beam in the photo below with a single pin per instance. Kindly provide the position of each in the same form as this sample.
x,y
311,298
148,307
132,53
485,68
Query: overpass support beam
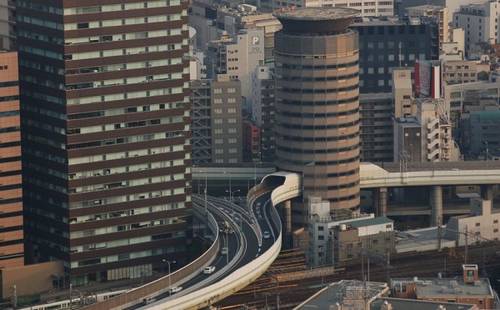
x,y
487,192
437,205
380,200
287,212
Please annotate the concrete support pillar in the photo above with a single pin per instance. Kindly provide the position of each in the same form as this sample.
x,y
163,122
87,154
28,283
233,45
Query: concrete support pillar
x,y
287,212
436,205
487,192
380,200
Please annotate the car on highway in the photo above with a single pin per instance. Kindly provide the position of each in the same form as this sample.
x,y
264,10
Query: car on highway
x,y
267,235
209,269
223,251
175,289
148,300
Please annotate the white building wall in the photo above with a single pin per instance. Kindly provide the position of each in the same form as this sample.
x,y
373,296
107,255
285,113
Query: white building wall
x,y
374,229
244,56
480,228
479,22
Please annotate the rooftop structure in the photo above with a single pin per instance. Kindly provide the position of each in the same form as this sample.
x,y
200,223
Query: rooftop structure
x,y
410,304
469,289
346,293
317,20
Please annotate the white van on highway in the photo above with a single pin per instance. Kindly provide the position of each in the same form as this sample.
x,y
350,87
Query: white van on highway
x,y
175,289
208,269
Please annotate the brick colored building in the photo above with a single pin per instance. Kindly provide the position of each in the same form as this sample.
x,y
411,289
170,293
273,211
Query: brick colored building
x,y
11,205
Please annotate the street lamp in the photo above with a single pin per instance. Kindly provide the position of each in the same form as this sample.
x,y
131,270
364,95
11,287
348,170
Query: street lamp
x,y
164,261
231,194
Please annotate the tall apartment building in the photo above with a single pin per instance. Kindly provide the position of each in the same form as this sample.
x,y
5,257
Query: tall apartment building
x,y
480,23
317,103
7,24
376,118
365,7
388,44
217,128
227,123
263,110
11,204
106,136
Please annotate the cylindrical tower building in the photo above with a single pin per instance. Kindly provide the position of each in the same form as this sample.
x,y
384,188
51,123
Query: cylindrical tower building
x,y
317,106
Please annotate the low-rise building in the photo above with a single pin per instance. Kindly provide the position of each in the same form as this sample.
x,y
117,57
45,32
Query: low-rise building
x,y
480,226
346,294
363,237
469,289
342,238
359,295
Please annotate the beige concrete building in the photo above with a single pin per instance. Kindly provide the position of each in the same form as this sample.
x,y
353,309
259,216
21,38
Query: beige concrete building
x,y
402,90
31,279
317,106
481,225
463,71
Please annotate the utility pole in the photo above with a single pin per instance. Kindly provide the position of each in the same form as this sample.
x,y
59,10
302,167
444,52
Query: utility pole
x,y
14,297
439,232
466,244
70,297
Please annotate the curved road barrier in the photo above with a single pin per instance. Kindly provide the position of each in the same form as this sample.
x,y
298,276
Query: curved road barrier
x,y
156,287
283,187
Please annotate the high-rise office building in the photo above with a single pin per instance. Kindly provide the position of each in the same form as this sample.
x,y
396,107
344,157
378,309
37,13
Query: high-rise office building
x,y
106,142
317,102
388,44
11,205
217,123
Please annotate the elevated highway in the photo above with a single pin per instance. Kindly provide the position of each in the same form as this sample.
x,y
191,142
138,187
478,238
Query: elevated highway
x,y
375,175
429,174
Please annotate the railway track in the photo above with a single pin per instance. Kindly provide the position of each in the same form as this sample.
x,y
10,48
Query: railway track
x,y
291,293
